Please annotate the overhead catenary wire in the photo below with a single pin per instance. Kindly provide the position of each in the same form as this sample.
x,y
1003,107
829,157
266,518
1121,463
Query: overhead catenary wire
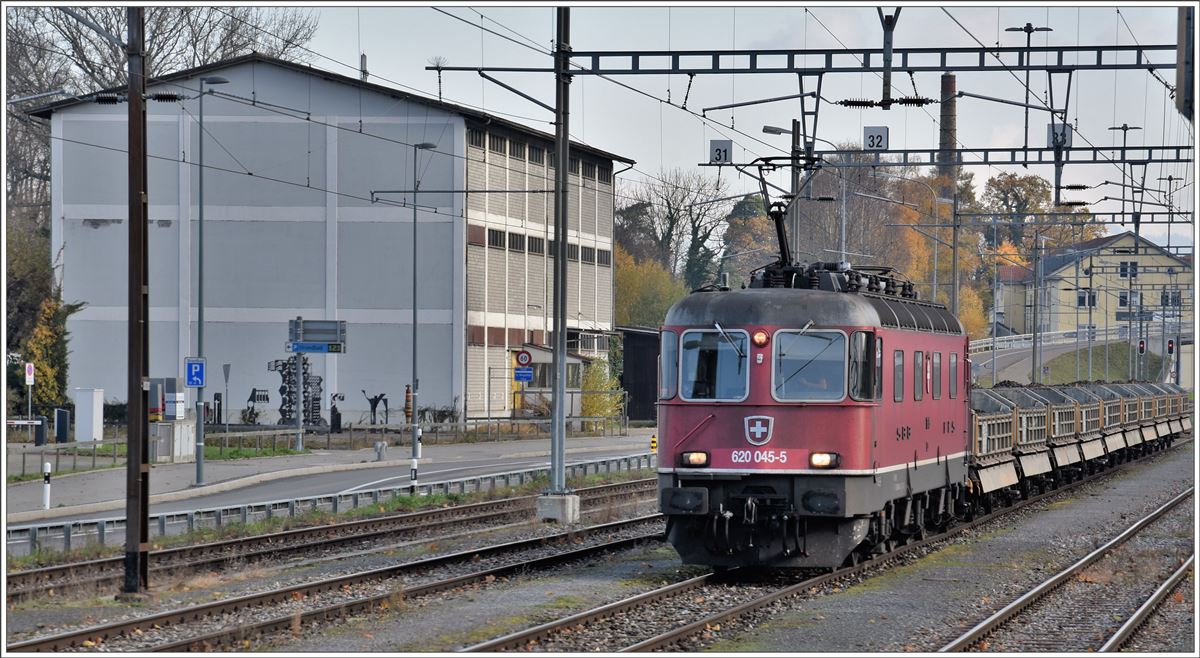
x,y
1040,100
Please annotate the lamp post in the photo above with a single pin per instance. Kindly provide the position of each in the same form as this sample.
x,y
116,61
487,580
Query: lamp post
x,y
209,80
416,431
1028,29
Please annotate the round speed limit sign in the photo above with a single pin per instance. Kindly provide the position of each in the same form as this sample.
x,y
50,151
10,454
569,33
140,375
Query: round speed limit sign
x,y
524,358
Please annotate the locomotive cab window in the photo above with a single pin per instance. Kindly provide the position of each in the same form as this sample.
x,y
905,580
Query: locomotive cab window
x,y
862,365
918,375
809,366
898,375
668,365
714,365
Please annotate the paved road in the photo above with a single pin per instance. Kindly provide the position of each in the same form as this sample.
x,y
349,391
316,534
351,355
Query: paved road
x,y
442,462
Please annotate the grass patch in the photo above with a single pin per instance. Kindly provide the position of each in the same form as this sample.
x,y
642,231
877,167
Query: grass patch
x,y
213,453
1062,367
311,518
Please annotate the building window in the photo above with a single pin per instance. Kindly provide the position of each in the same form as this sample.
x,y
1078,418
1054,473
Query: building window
x,y
496,143
604,257
537,245
1128,269
574,166
572,252
1085,298
605,174
553,249
1124,296
553,162
589,170
516,242
537,155
589,255
475,138
516,150
495,238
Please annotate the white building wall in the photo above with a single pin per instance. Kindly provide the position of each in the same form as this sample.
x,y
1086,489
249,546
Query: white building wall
x,y
299,237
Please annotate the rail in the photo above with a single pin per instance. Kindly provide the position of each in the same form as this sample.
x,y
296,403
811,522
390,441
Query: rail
x,y
980,630
66,535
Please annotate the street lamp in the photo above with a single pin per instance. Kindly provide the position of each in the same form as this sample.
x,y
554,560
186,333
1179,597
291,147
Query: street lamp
x,y
1028,29
416,432
209,80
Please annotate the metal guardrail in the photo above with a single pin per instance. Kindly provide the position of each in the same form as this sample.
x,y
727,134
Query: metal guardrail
x,y
72,534
1060,338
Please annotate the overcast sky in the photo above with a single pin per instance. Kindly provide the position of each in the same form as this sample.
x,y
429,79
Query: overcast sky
x,y
399,41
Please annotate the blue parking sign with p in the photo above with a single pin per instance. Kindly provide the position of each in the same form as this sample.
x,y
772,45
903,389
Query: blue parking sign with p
x,y
194,372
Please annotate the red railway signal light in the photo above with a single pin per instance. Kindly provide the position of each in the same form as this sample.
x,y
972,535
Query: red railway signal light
x,y
1171,346
1141,347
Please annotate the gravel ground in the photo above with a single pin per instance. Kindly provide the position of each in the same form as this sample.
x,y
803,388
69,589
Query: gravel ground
x,y
37,620
1164,630
453,620
920,604
1084,612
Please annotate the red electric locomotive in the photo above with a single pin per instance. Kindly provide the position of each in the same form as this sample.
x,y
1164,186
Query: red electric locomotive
x,y
811,419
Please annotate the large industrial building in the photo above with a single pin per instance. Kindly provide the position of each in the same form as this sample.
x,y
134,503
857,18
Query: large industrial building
x,y
308,211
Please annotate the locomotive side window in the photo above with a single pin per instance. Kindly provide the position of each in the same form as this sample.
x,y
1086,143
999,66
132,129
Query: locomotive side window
x,y
713,365
668,365
862,365
809,366
937,375
918,375
898,375
953,375
878,368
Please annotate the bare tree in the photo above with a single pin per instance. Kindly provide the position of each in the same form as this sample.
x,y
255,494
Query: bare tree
x,y
682,224
49,50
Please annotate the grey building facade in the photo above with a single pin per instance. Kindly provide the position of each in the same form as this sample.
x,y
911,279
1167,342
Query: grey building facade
x,y
296,224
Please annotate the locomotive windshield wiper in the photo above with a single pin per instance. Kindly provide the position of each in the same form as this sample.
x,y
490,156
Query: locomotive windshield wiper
x,y
730,339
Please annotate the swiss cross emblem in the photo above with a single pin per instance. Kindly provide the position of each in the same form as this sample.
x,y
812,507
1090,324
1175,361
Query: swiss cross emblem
x,y
758,429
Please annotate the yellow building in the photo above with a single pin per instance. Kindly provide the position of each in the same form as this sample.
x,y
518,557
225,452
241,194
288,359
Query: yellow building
x,y
1102,282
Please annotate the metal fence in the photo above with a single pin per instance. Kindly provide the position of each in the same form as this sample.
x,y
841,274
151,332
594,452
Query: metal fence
x,y
69,457
67,535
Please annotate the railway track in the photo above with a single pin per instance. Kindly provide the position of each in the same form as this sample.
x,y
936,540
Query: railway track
x,y
98,576
1068,608
649,621
231,623
1143,613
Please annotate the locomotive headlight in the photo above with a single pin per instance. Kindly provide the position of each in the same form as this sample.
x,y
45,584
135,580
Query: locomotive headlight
x,y
760,338
693,459
823,460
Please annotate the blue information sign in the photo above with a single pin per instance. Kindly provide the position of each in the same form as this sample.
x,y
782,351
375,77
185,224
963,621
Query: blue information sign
x,y
194,372
311,346
521,374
